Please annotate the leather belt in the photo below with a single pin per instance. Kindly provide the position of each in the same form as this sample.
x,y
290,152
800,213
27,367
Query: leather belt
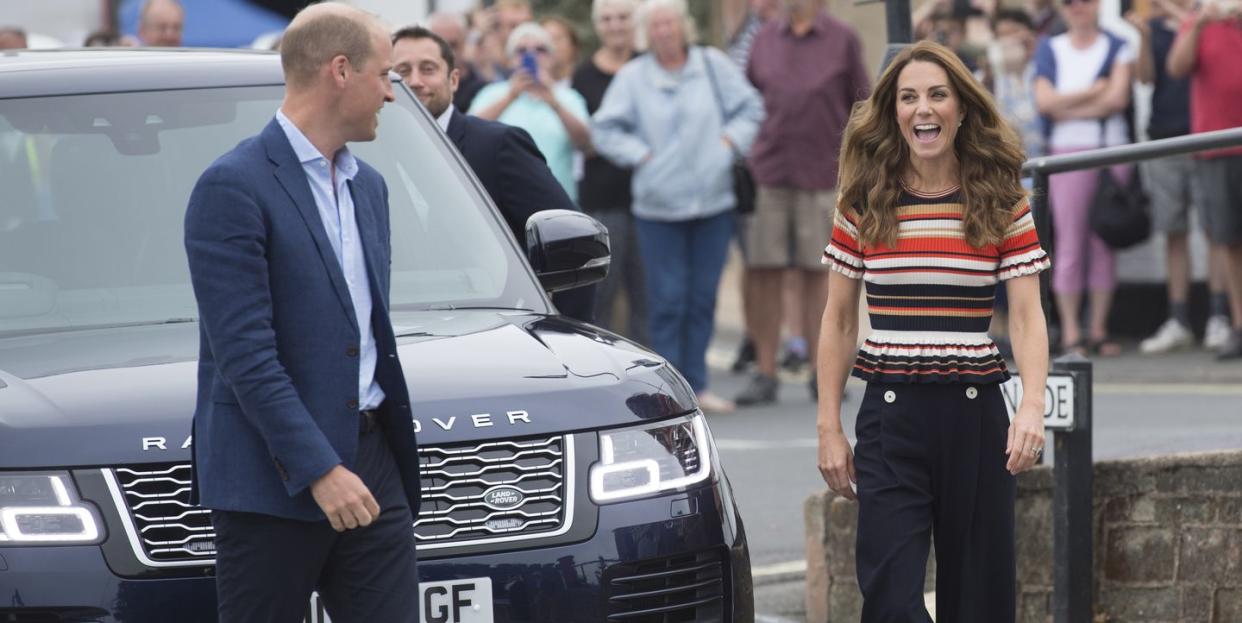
x,y
368,420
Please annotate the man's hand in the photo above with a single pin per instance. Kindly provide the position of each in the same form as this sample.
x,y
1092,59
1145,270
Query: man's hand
x,y
836,462
1026,438
344,499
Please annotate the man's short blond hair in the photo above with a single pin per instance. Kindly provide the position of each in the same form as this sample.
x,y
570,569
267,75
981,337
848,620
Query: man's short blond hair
x,y
309,44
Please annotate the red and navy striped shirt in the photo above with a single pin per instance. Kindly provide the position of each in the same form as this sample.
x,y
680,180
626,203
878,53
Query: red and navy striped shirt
x,y
930,297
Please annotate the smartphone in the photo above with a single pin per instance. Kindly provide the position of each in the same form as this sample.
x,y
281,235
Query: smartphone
x,y
531,64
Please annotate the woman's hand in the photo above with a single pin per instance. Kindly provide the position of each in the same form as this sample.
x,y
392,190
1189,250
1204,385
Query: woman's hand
x,y
519,83
836,462
1026,438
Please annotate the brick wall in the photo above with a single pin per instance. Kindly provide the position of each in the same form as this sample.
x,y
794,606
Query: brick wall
x,y
1168,544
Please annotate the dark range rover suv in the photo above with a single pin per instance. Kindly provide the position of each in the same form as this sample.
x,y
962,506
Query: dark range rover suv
x,y
567,473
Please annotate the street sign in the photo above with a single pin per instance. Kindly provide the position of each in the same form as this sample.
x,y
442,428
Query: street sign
x,y
1058,399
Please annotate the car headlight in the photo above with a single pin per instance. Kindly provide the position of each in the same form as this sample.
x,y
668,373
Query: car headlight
x,y
662,456
44,509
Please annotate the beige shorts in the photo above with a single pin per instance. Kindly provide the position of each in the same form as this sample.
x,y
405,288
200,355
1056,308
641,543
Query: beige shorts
x,y
789,228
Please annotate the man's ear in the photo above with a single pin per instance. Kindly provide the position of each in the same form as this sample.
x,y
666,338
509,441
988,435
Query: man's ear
x,y
454,79
338,69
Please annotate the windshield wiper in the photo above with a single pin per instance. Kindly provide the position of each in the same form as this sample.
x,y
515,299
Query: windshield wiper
x,y
452,307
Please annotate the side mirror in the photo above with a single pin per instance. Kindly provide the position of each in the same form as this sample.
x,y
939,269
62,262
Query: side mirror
x,y
567,249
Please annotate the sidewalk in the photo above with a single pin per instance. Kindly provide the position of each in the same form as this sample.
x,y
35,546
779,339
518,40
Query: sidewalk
x,y
1196,370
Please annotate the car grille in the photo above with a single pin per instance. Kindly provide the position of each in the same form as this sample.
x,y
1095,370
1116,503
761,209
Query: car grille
x,y
471,494
491,489
682,588
169,528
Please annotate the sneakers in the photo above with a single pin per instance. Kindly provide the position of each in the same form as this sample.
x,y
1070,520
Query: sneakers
x,y
1171,336
761,390
745,356
711,403
1232,348
795,354
1216,333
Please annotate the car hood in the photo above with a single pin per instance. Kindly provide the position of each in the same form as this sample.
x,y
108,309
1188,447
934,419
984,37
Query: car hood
x,y
126,395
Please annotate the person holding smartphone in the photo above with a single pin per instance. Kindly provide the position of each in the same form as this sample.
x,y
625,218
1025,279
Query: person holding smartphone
x,y
554,115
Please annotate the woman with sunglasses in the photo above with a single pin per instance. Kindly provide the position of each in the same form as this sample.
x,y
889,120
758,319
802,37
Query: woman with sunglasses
x,y
554,115
680,115
1082,87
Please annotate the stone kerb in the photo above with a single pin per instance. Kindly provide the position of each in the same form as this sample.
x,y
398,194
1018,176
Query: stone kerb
x,y
1168,543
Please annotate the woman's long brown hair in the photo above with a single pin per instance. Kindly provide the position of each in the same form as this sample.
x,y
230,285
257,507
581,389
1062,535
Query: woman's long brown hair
x,y
875,156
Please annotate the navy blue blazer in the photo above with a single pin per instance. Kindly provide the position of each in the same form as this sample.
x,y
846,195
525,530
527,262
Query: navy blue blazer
x,y
279,356
511,168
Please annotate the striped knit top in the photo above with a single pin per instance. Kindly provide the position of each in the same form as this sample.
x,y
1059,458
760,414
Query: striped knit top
x,y
930,298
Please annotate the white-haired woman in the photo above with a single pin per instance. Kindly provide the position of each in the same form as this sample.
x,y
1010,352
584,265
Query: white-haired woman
x,y
555,116
604,190
679,116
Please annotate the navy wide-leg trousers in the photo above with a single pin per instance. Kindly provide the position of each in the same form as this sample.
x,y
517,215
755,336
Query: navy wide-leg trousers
x,y
930,462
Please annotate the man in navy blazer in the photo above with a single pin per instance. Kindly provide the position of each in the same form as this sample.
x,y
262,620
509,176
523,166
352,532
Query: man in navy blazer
x,y
504,157
304,446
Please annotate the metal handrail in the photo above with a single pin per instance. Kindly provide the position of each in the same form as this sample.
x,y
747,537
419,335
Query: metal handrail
x,y
1134,152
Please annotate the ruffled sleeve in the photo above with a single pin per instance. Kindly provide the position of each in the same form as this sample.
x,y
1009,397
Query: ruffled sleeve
x,y
1020,251
843,253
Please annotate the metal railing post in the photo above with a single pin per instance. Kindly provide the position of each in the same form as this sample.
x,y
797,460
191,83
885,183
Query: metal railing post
x,y
1043,228
1072,503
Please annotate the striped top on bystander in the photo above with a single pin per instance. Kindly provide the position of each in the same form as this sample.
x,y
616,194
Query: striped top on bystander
x,y
930,298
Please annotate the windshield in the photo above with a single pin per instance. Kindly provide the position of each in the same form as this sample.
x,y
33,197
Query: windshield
x,y
95,190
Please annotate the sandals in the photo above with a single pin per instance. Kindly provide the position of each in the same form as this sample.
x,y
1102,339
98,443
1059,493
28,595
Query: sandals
x,y
1098,347
1104,347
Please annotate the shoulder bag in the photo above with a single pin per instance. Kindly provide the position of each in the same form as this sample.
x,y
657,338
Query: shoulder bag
x,y
743,183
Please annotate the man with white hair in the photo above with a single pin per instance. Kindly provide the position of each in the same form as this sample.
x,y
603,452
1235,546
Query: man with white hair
x,y
304,445
160,23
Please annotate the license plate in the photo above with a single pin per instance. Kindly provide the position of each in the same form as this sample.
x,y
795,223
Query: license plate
x,y
454,601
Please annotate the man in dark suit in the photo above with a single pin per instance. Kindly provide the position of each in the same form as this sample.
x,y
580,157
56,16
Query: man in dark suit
x,y
304,446
503,157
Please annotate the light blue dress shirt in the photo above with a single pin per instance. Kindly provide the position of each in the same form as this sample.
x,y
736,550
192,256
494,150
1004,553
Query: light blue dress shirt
x,y
336,209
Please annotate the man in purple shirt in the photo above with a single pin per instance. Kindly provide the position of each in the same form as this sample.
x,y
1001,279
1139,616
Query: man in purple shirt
x,y
809,68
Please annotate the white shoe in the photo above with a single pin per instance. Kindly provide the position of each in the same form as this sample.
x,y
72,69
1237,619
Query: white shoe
x,y
1216,333
1172,335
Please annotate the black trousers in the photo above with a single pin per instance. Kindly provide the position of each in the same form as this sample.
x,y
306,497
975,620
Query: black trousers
x,y
267,567
930,462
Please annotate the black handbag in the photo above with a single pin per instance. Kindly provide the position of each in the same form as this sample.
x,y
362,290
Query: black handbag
x,y
743,182
1119,212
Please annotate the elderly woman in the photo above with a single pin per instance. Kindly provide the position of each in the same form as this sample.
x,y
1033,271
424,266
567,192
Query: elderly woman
x,y
680,116
604,190
931,217
554,115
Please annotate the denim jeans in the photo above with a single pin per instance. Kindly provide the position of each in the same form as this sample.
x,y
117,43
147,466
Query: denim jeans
x,y
682,262
625,275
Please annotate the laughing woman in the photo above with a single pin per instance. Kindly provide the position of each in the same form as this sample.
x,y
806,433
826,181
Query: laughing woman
x,y
932,216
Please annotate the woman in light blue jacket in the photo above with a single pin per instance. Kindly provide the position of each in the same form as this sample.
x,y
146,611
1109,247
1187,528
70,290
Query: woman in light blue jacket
x,y
679,116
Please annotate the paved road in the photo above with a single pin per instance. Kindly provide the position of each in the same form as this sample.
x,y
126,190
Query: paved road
x,y
769,452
